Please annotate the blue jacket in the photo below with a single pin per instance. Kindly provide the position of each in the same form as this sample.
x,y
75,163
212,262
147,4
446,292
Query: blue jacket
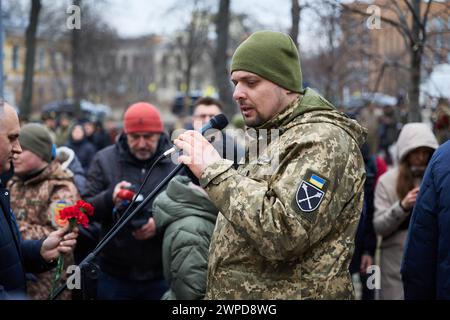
x,y
16,256
426,262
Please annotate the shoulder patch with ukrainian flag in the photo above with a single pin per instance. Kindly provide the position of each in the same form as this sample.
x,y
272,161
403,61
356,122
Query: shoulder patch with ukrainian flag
x,y
310,194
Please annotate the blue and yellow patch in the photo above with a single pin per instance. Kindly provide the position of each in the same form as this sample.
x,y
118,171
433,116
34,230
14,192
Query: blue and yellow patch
x,y
310,194
317,181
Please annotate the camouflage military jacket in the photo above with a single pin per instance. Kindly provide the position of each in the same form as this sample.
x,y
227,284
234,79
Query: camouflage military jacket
x,y
34,202
288,220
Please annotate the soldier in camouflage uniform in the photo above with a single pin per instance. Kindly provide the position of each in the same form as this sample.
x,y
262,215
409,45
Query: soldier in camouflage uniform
x,y
289,214
37,190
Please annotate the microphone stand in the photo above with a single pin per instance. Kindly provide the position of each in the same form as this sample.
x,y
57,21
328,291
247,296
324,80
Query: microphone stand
x,y
218,122
120,225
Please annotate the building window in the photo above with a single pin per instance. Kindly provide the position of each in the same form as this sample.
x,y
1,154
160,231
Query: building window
x,y
164,67
124,63
15,57
448,57
437,58
41,59
41,92
439,41
65,62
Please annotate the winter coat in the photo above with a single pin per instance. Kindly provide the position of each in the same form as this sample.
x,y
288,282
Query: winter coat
x,y
390,220
100,139
125,257
426,262
69,160
34,202
188,217
288,216
366,240
16,256
84,150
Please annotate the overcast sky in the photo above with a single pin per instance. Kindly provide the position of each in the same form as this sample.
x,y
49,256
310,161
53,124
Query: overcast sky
x,y
137,17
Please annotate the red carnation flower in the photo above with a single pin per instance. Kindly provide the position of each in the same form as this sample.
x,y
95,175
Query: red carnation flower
x,y
83,220
69,213
76,215
85,207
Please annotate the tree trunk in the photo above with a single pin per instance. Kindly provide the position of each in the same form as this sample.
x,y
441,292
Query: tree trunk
x,y
414,89
77,78
221,59
295,12
416,61
331,61
30,43
190,54
2,54
187,81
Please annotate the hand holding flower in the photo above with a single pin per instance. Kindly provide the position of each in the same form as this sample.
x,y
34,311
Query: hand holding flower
x,y
58,243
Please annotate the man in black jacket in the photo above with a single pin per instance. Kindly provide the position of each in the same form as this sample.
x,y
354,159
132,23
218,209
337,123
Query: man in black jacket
x,y
131,265
17,256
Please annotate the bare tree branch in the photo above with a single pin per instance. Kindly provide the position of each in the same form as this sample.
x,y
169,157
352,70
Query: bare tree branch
x,y
295,14
436,33
30,42
401,16
414,13
405,32
425,17
395,24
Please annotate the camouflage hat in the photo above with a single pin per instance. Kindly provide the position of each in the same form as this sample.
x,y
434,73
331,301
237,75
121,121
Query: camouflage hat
x,y
36,138
271,55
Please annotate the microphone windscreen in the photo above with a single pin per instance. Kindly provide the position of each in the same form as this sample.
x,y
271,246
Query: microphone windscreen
x,y
219,121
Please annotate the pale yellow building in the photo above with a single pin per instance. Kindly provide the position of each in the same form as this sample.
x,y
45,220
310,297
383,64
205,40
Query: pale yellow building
x,y
52,67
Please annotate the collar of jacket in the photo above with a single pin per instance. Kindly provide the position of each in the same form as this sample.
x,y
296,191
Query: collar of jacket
x,y
52,171
6,176
127,156
308,101
79,142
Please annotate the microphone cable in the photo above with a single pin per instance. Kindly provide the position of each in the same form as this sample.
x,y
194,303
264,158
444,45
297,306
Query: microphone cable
x,y
125,214
217,122
91,256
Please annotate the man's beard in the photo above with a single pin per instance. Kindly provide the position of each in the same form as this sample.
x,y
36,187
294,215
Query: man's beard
x,y
143,155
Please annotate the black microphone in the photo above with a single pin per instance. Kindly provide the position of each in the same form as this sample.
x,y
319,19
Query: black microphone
x,y
217,122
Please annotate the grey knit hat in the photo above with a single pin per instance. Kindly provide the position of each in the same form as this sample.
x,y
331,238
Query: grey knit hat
x,y
36,138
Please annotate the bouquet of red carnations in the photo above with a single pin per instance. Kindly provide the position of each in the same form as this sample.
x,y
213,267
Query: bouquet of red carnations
x,y
75,215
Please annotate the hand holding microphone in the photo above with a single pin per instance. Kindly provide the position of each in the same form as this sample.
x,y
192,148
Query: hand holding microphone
x,y
198,153
217,122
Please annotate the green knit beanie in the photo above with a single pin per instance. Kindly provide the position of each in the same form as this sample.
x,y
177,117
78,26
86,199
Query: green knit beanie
x,y
36,138
271,55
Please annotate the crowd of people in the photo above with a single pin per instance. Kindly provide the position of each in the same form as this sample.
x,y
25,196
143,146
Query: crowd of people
x,y
325,198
